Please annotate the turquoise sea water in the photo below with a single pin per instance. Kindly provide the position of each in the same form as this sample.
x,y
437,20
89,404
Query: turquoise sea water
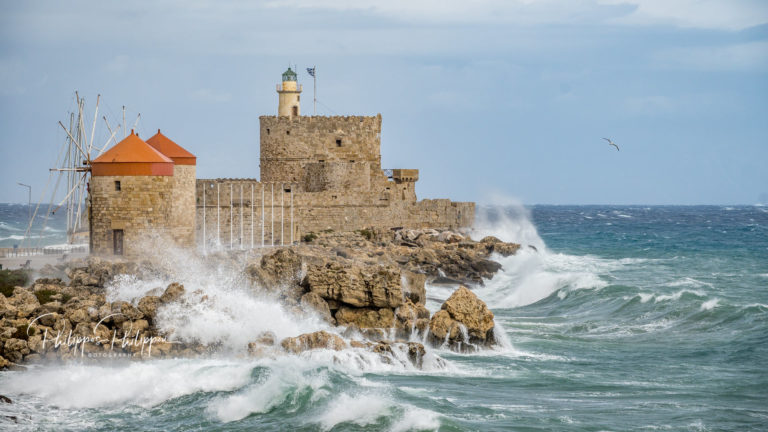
x,y
626,318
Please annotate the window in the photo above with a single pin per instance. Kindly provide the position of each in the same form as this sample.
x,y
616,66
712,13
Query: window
x,y
267,131
338,142
287,190
117,185
287,132
351,161
295,110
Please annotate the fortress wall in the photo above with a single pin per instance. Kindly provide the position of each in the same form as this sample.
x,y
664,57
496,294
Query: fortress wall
x,y
140,208
234,218
337,176
289,143
182,218
230,220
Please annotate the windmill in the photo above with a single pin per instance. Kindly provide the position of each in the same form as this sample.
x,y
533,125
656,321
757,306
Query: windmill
x,y
73,167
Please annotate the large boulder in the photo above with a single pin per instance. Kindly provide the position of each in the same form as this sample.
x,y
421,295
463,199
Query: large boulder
x,y
174,292
412,317
283,267
463,319
313,301
309,341
366,318
148,306
493,244
359,286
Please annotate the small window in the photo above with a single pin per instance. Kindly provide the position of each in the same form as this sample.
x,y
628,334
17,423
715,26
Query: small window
x,y
322,161
333,196
298,98
351,161
117,185
338,142
287,190
267,131
287,132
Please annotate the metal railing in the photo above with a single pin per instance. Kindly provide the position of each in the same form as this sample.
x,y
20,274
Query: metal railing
x,y
23,252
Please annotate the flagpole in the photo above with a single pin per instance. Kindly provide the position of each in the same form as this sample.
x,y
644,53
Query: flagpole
x,y
314,94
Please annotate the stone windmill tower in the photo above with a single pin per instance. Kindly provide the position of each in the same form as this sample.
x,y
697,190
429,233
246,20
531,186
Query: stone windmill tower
x,y
139,191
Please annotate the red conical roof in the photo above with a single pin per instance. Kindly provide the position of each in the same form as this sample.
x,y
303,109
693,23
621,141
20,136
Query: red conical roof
x,y
132,156
174,151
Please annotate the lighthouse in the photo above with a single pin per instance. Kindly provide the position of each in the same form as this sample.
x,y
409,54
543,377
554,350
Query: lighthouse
x,y
290,95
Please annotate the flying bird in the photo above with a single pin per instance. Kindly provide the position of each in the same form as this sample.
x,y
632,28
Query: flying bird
x,y
612,143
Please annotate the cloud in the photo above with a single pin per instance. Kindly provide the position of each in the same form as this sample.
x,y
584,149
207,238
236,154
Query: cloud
x,y
744,56
707,14
118,64
208,95
650,105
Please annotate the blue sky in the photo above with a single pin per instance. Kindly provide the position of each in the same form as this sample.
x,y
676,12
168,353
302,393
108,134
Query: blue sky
x,y
488,99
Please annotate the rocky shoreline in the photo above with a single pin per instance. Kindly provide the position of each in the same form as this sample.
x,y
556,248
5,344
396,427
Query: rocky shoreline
x,y
368,287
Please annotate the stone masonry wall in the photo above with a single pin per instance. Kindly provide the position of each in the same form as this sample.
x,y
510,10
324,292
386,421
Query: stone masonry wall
x,y
230,218
337,176
182,221
140,208
289,143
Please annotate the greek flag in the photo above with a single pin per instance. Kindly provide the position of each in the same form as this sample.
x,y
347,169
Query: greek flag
x,y
311,71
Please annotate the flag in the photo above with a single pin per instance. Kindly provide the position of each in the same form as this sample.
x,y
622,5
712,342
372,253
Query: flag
x,y
311,71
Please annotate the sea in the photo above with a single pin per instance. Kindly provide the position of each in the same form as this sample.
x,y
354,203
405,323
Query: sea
x,y
611,318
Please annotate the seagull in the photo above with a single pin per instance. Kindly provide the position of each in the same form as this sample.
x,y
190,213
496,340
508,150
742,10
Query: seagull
x,y
612,143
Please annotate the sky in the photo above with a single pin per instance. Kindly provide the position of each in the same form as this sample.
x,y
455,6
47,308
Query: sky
x,y
489,98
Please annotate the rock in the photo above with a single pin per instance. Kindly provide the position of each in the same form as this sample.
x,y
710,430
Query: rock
x,y
490,240
266,338
414,286
131,327
313,301
463,308
416,353
449,237
365,286
366,317
5,399
486,266
505,249
24,301
148,306
76,316
283,267
444,328
173,292
80,277
127,312
262,345
412,317
15,349
309,341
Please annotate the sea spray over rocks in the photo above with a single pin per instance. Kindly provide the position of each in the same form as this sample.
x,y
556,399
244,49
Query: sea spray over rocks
x,y
368,288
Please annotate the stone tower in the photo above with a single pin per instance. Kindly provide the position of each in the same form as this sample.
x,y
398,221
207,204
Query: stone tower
x,y
136,194
290,95
182,226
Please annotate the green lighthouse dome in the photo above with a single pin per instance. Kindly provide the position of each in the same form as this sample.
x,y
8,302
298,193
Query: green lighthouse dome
x,y
289,75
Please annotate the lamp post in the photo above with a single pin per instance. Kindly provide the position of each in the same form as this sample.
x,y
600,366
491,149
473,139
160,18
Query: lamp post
x,y
29,200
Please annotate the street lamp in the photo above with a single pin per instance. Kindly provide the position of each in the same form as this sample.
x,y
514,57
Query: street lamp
x,y
29,200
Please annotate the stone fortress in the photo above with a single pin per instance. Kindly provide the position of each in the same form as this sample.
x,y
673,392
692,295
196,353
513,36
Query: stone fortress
x,y
317,173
